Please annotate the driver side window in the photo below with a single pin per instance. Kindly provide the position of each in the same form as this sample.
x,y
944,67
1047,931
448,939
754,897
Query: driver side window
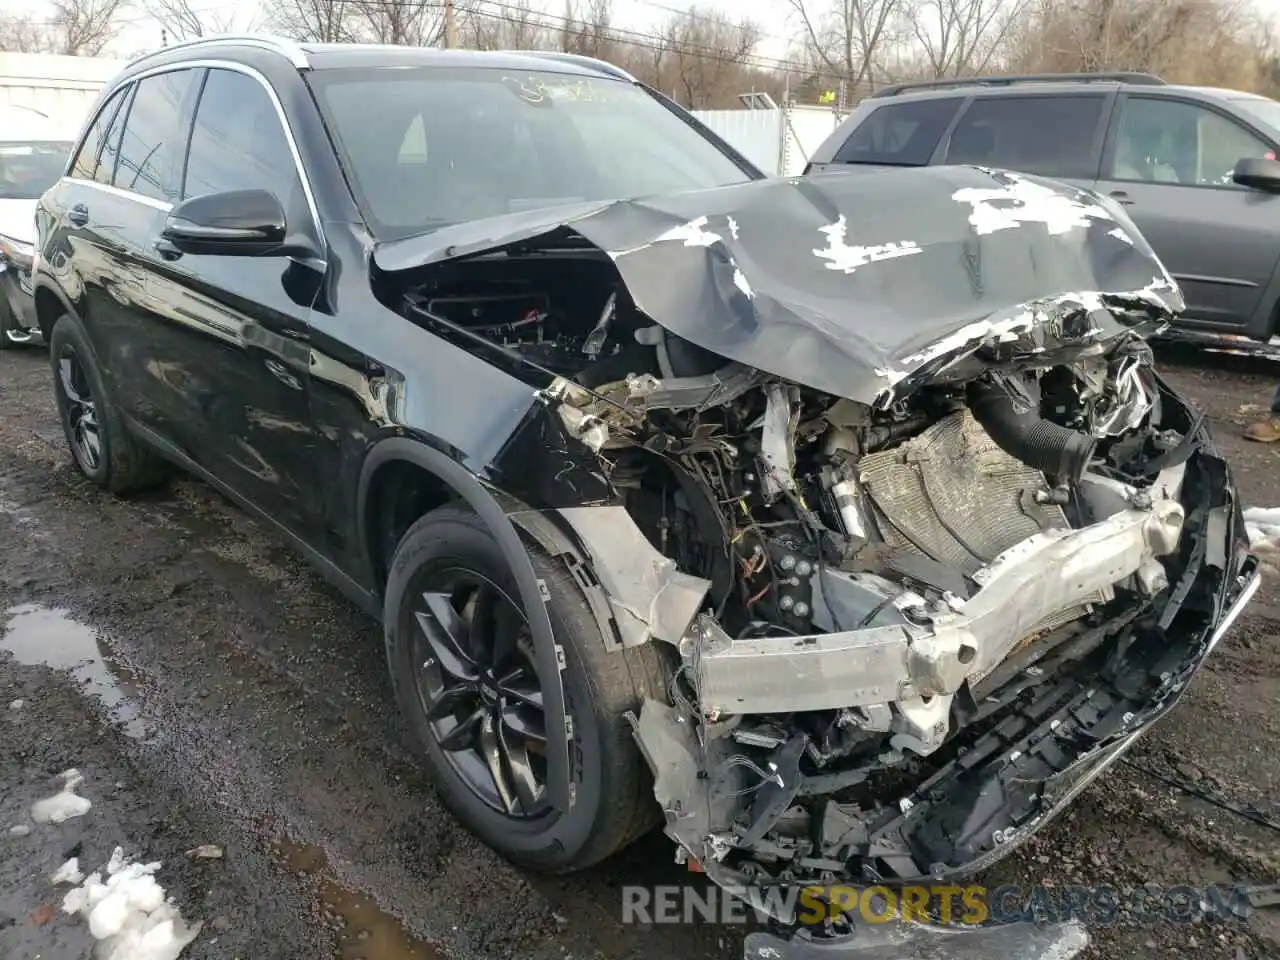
x,y
1177,143
238,143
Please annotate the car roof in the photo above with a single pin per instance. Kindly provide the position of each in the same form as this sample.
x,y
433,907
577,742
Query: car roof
x,y
1052,84
329,56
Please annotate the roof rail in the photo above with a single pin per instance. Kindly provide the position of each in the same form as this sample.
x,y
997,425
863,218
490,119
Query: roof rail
x,y
1139,79
285,47
576,58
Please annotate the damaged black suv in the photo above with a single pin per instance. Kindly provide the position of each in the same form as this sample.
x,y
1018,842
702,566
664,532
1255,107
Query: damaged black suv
x,y
842,521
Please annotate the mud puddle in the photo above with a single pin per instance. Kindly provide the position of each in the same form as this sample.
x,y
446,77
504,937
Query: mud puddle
x,y
366,932
37,635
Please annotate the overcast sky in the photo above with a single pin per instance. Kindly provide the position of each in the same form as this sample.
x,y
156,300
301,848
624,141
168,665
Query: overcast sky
x,y
775,17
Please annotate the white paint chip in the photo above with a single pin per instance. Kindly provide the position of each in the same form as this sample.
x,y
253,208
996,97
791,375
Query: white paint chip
x,y
1021,202
840,256
691,234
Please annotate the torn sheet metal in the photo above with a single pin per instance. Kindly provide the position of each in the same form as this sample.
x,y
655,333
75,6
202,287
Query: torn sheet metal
x,y
649,596
918,941
851,283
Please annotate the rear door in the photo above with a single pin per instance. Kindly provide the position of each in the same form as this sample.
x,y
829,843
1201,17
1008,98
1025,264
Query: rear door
x,y
103,212
1170,161
1058,135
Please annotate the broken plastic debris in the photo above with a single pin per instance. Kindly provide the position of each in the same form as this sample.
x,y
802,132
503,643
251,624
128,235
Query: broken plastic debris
x,y
129,914
206,851
63,805
69,872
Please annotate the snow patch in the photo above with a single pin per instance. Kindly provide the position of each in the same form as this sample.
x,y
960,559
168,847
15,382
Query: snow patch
x,y
740,281
1020,202
69,872
841,256
1120,234
733,228
63,805
129,914
1262,525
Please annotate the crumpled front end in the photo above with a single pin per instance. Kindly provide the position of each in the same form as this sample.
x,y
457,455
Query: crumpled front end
x,y
922,632
925,536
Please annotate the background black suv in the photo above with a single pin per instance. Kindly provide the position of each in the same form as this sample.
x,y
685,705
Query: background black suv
x,y
1167,152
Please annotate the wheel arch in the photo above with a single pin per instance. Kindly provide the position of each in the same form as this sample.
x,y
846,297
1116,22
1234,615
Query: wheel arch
x,y
50,304
450,480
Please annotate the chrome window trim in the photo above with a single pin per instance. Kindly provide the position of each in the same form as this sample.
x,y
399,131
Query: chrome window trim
x,y
124,194
280,114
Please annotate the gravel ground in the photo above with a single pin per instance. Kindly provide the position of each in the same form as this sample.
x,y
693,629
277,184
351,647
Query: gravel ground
x,y
212,690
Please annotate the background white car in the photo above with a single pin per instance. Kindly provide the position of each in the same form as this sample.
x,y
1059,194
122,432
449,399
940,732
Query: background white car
x,y
33,155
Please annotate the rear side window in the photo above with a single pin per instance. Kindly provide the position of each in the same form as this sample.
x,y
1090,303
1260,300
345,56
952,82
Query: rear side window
x,y
110,156
86,162
1051,136
153,137
900,134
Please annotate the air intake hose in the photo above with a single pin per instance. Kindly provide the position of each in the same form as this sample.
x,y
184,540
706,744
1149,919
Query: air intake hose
x,y
1059,452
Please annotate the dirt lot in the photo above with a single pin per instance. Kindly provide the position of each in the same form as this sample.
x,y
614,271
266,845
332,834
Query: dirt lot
x,y
222,694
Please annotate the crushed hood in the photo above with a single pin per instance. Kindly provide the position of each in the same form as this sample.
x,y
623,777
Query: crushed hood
x,y
854,283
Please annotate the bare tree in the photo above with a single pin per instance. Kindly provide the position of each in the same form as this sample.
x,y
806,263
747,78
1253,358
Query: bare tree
x,y
586,28
847,36
81,27
320,21
520,27
708,54
185,22
961,37
20,35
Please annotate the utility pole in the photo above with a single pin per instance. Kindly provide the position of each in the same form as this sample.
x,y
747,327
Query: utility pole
x,y
450,26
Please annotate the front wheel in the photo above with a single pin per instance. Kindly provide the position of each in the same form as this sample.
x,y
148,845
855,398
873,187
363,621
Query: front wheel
x,y
462,665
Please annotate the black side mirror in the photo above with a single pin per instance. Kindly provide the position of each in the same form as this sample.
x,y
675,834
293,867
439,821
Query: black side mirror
x,y
1258,173
236,223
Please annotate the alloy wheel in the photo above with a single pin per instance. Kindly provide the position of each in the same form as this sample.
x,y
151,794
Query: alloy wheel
x,y
81,410
478,689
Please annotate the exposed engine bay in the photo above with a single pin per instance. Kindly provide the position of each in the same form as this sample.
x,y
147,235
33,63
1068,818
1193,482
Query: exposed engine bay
x,y
904,625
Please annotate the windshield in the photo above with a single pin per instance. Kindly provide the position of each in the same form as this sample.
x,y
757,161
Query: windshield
x,y
27,170
1260,108
447,145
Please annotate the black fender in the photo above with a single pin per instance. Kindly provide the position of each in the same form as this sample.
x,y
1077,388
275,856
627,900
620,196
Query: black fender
x,y
549,655
45,290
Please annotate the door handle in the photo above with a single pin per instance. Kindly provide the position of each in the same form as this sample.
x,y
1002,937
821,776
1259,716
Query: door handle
x,y
79,215
167,250
1122,197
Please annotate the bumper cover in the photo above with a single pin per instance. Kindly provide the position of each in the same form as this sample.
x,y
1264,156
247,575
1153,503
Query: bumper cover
x,y
18,298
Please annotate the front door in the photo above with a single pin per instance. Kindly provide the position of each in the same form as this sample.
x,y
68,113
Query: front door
x,y
1170,162
231,332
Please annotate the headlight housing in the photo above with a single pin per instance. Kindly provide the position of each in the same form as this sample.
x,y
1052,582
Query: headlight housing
x,y
17,252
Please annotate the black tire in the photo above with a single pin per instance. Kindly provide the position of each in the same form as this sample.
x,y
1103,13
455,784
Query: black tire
x,y
122,464
614,801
